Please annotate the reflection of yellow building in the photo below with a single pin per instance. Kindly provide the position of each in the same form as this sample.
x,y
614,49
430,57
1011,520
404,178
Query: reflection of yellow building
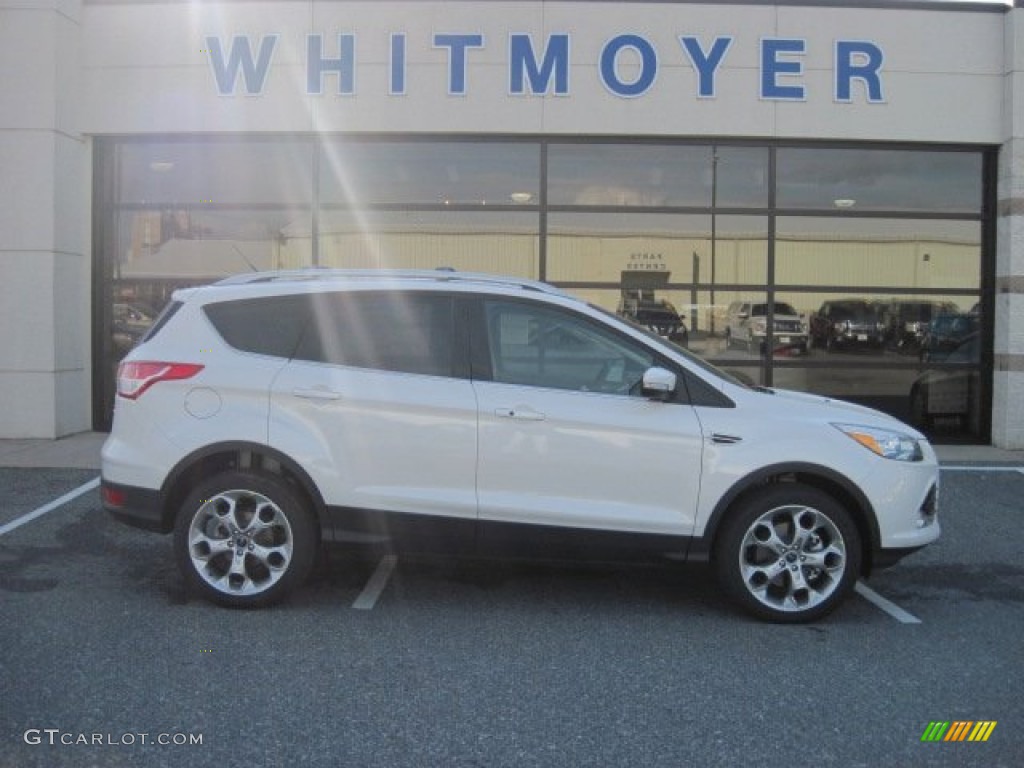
x,y
888,256
471,242
916,263
502,253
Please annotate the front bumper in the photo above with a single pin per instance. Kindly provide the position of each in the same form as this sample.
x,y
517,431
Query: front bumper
x,y
855,336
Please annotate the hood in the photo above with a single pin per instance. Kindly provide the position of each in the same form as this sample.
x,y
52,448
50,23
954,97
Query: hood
x,y
831,409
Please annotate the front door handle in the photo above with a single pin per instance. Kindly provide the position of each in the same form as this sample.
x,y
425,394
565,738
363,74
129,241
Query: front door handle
x,y
520,413
316,393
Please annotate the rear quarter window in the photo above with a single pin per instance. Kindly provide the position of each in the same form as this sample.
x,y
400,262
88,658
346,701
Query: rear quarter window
x,y
270,325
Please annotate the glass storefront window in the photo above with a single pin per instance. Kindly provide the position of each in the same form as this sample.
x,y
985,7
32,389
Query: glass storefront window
x,y
588,247
629,175
501,242
187,244
893,353
692,241
596,247
879,180
741,177
358,173
215,172
919,254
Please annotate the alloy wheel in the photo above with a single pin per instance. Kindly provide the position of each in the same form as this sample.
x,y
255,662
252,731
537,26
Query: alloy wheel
x,y
792,558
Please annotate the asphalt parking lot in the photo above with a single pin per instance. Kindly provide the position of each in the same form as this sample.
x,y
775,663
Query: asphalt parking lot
x,y
105,661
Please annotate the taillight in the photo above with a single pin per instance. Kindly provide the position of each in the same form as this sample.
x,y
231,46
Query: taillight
x,y
112,497
134,378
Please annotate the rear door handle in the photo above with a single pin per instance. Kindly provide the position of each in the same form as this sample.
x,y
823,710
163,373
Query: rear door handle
x,y
520,414
316,393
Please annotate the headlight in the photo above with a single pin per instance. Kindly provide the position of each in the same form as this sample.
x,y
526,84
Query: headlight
x,y
887,444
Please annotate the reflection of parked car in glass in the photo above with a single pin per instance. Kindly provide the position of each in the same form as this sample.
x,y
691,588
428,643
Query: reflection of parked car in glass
x,y
747,323
906,322
639,304
130,324
950,392
945,333
846,323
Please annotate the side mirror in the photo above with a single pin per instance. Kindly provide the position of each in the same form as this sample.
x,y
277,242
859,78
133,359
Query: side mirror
x,y
658,384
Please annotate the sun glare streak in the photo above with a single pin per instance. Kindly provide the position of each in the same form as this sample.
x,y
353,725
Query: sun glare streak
x,y
369,240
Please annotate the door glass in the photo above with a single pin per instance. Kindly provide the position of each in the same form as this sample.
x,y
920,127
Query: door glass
x,y
385,331
540,347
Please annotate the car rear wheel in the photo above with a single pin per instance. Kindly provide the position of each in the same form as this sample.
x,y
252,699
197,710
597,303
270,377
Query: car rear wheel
x,y
244,540
788,554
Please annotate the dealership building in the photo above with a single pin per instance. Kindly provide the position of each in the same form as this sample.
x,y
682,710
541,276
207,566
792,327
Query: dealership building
x,y
845,179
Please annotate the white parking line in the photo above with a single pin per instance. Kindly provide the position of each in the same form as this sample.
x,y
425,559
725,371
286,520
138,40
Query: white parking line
x,y
30,516
375,586
888,606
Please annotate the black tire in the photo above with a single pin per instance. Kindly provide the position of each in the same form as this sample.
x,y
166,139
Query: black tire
x,y
244,539
788,553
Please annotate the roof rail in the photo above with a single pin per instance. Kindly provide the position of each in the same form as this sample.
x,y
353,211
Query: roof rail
x,y
442,274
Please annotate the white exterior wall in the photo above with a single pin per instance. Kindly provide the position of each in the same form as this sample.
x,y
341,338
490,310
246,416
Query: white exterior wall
x,y
69,70
1008,374
44,212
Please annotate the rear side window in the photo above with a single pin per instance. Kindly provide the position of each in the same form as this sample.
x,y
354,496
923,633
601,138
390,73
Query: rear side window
x,y
271,325
387,331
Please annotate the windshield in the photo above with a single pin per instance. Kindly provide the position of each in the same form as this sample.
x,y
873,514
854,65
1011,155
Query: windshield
x,y
850,310
780,309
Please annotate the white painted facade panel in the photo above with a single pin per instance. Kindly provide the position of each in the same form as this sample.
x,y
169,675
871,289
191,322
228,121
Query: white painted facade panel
x,y
149,68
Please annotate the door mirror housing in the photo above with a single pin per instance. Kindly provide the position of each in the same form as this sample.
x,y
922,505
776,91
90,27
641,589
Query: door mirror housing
x,y
659,384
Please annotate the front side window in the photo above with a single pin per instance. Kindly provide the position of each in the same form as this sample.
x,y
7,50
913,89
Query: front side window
x,y
544,347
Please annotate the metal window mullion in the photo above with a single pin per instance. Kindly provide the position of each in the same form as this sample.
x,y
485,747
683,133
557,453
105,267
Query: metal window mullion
x,y
770,270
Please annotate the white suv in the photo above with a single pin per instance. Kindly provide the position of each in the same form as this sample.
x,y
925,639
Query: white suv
x,y
267,415
747,323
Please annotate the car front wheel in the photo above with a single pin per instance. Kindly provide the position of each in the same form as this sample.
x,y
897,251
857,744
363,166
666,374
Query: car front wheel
x,y
788,554
244,540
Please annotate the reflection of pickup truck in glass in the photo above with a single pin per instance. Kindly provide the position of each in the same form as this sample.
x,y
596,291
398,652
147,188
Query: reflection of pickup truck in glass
x,y
846,323
639,304
747,323
907,321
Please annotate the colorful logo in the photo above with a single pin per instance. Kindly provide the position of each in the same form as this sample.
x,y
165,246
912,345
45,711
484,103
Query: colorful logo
x,y
958,730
